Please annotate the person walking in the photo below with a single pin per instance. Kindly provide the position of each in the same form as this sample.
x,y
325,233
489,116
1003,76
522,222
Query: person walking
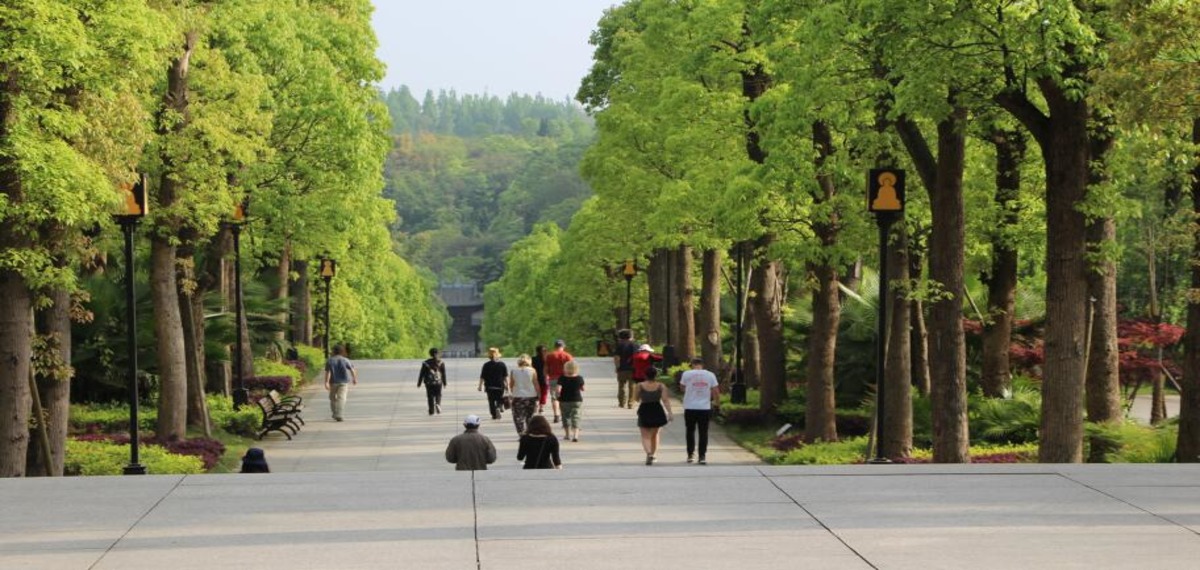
x,y
339,375
623,361
523,386
538,446
433,377
701,395
493,378
539,366
570,397
642,362
653,412
554,368
471,450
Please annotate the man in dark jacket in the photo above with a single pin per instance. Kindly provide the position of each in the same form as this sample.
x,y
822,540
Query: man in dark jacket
x,y
433,377
471,450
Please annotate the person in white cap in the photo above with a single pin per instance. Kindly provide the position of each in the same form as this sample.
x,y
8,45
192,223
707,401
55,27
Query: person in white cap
x,y
471,450
643,361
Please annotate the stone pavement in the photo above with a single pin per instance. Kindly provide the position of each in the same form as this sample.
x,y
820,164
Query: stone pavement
x,y
388,428
373,492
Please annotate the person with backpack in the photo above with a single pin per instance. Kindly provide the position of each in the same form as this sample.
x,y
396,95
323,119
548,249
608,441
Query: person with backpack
x,y
433,377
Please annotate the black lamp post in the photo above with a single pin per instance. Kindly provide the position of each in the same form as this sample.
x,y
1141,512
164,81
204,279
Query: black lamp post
x,y
629,272
328,270
885,199
132,212
241,396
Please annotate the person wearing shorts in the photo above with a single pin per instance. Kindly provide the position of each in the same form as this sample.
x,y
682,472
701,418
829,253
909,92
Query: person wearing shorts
x,y
570,399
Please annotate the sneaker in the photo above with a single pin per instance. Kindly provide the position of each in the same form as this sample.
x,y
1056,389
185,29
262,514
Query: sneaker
x,y
337,419
438,407
703,462
574,439
690,458
649,459
555,420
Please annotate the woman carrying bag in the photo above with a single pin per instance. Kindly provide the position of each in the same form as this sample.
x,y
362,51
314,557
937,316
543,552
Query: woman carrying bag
x,y
539,447
523,389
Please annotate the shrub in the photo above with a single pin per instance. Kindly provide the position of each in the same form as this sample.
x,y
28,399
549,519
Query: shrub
x,y
267,383
843,452
270,368
986,453
313,358
109,458
109,418
209,451
739,416
1133,443
1012,420
242,422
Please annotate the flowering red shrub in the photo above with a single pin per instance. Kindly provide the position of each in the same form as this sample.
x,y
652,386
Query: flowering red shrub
x,y
267,383
998,457
298,365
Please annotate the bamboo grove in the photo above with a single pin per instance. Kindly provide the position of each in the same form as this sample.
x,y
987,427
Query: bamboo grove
x,y
1053,188
218,103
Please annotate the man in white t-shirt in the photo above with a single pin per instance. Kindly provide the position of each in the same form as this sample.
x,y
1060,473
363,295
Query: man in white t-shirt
x,y
701,395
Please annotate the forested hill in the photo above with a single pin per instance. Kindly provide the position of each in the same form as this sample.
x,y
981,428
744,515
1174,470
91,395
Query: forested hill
x,y
471,174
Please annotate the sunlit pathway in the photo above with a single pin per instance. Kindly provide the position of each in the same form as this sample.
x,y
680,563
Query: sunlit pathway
x,y
387,426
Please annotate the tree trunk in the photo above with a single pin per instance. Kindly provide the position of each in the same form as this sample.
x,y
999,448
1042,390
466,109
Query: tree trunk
x,y
16,349
1158,400
193,334
302,330
896,439
685,307
283,271
1063,139
752,362
212,278
943,176
1001,279
1187,445
54,324
768,312
710,310
164,288
918,333
1102,384
820,413
168,336
656,277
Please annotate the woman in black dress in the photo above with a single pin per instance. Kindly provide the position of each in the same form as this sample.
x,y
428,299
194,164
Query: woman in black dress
x,y
653,413
539,447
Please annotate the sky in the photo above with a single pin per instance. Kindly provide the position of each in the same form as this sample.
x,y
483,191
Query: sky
x,y
487,46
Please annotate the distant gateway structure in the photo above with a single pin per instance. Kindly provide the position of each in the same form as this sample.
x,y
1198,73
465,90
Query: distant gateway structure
x,y
464,301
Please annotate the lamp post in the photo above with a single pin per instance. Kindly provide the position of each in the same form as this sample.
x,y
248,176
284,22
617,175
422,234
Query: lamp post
x,y
630,272
241,396
133,211
328,270
885,199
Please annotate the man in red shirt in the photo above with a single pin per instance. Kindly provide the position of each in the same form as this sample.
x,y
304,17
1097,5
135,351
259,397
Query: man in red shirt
x,y
555,360
642,361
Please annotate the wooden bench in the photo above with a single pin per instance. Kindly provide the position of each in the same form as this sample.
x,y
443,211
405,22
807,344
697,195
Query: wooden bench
x,y
276,419
292,405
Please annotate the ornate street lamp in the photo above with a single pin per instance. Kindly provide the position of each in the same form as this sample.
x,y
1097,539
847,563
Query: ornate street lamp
x,y
630,272
241,396
328,270
132,212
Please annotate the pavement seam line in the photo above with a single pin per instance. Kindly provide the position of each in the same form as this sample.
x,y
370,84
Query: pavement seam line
x,y
817,519
475,513
138,521
1165,519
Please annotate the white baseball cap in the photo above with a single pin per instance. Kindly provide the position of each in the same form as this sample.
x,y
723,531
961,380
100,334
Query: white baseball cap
x,y
471,420
646,348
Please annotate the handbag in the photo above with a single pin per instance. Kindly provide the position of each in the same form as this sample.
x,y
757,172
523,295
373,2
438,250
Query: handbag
x,y
507,401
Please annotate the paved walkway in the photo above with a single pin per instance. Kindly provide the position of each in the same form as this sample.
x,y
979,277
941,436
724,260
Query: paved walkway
x,y
388,427
374,493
